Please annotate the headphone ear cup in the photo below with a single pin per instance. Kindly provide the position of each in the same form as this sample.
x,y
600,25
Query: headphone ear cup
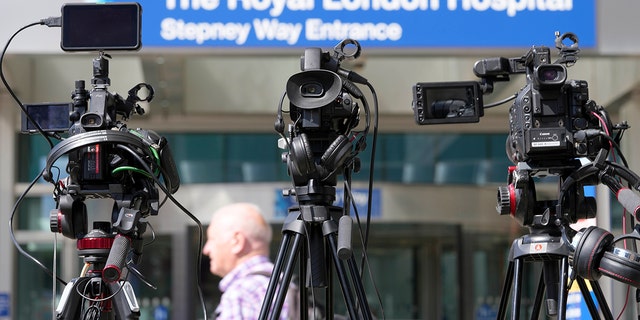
x,y
621,265
301,156
336,153
592,245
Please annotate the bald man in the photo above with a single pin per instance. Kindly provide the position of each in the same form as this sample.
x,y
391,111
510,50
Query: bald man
x,y
237,244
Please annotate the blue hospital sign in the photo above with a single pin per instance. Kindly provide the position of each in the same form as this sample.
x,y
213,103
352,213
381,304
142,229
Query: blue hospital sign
x,y
396,24
5,304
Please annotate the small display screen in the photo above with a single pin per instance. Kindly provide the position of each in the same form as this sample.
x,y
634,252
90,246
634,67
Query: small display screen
x,y
92,27
447,102
52,117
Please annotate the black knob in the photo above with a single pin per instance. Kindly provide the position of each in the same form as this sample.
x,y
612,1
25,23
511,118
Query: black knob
x,y
504,200
54,221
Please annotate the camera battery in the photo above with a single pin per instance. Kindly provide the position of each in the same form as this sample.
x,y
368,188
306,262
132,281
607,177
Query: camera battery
x,y
92,163
544,139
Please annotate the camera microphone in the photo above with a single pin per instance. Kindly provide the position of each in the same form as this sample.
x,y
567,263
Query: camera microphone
x,y
353,89
351,75
629,200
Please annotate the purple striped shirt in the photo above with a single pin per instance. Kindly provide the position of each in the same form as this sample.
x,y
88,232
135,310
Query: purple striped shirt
x,y
243,291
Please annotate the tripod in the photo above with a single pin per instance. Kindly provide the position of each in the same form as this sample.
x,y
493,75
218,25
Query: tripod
x,y
310,233
546,246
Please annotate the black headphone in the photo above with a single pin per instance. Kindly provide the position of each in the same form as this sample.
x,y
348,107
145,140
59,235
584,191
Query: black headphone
x,y
596,254
301,161
142,140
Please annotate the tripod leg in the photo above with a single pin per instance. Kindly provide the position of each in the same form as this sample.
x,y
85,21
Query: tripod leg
x,y
277,270
329,229
345,285
506,290
517,289
586,295
553,281
562,288
69,304
362,298
537,302
286,278
602,301
124,301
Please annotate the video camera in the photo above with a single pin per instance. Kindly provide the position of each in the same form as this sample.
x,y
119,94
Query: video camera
x,y
553,125
324,111
321,144
105,158
551,120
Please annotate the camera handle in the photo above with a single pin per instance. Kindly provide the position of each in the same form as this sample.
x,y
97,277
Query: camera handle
x,y
568,53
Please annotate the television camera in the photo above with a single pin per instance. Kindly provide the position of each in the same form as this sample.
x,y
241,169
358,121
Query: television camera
x,y
555,131
105,159
322,143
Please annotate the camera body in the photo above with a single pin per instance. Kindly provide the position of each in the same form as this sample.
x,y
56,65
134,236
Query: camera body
x,y
323,125
323,110
547,115
550,120
321,121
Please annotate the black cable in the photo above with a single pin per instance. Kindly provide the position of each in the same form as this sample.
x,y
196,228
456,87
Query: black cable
x,y
497,103
11,92
52,22
55,22
372,162
13,238
188,213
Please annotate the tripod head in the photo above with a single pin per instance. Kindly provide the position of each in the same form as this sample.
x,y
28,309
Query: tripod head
x,y
519,199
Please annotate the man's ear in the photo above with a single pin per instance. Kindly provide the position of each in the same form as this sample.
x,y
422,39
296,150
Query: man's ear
x,y
238,242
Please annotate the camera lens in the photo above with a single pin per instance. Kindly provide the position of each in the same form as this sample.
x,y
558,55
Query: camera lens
x,y
312,89
549,74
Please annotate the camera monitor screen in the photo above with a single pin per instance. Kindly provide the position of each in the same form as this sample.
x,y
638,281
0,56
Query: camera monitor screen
x,y
93,27
447,102
52,117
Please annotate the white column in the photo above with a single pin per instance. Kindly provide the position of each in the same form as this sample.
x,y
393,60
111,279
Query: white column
x,y
7,181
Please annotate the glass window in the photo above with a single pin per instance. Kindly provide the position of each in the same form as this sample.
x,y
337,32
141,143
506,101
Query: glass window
x,y
236,157
33,213
35,284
